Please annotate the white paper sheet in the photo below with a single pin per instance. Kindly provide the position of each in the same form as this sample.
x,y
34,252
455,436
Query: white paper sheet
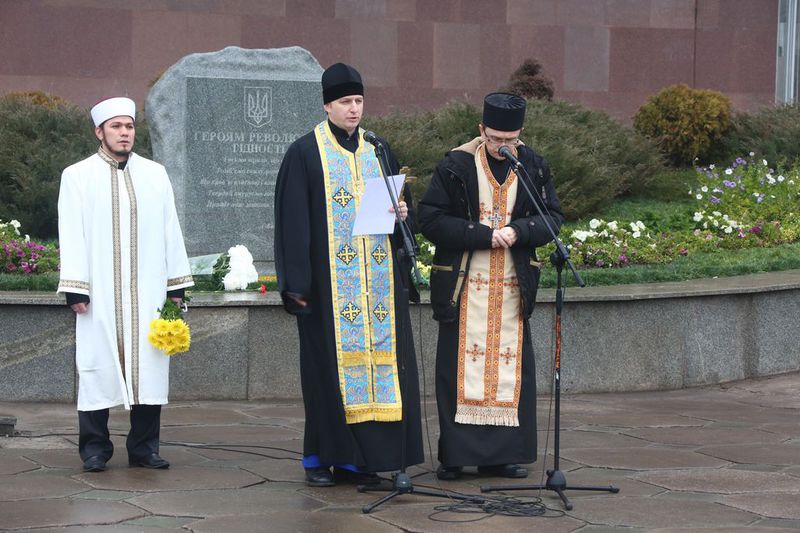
x,y
374,217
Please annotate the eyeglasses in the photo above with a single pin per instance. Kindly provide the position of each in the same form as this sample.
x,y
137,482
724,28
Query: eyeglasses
x,y
513,141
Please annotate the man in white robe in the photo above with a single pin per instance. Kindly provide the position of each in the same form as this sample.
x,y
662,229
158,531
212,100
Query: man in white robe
x,y
122,254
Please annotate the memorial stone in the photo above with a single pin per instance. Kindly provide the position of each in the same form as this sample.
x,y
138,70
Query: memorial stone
x,y
220,123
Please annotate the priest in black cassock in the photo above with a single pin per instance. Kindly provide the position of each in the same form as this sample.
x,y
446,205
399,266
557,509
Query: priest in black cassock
x,y
483,287
350,295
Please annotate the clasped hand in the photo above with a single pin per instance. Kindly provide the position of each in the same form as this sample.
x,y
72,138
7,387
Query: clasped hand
x,y
504,237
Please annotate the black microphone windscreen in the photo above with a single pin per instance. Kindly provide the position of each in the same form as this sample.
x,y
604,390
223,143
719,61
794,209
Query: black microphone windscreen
x,y
370,137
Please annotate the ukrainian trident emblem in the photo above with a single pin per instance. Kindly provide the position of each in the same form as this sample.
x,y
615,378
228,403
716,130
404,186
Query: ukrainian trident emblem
x,y
257,105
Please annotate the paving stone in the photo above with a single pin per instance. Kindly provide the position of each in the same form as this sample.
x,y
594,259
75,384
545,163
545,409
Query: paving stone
x,y
186,478
277,470
239,434
639,420
64,513
410,515
116,528
793,525
658,512
251,500
278,411
775,454
700,436
176,522
210,416
324,520
63,458
642,458
110,495
743,529
752,415
786,429
721,481
598,439
38,485
14,465
767,505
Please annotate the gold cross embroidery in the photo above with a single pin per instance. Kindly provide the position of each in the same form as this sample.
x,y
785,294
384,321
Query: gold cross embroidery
x,y
351,312
346,254
380,312
342,197
479,281
512,283
507,355
475,352
379,254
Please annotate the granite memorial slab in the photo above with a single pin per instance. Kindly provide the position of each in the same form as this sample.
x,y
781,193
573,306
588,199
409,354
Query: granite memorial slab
x,y
220,123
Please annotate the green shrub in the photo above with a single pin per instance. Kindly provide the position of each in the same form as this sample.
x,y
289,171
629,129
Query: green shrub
x,y
528,81
41,135
684,122
594,158
772,133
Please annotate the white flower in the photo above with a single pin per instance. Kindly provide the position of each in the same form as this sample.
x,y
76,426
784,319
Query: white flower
x,y
581,235
791,182
636,234
711,166
704,188
27,238
755,194
612,225
715,223
699,196
780,179
752,154
15,223
764,161
728,229
603,233
594,223
771,180
653,246
728,171
698,216
716,213
242,271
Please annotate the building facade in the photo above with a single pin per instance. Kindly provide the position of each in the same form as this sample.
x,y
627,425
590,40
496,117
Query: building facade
x,y
417,54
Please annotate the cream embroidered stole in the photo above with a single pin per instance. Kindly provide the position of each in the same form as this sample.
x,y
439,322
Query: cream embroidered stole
x,y
362,287
490,322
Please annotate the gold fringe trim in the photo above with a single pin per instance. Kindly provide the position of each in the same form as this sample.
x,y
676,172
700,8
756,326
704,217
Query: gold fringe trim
x,y
373,413
487,416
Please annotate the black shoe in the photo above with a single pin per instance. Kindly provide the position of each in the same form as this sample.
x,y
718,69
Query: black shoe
x,y
343,475
94,463
448,473
319,477
149,461
510,470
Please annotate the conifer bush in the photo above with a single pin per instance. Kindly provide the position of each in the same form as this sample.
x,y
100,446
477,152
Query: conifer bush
x,y
593,158
684,122
529,81
40,135
772,133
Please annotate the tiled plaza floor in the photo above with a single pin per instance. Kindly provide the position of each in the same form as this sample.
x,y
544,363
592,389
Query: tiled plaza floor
x,y
722,458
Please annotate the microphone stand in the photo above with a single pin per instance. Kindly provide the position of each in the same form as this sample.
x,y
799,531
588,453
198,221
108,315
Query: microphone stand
x,y
401,481
556,480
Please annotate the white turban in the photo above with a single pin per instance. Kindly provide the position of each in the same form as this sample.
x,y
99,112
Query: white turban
x,y
113,107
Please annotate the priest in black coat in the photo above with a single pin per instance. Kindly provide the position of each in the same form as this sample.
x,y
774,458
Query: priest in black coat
x,y
483,287
350,295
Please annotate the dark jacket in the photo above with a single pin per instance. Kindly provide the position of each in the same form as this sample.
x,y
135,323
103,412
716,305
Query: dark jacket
x,y
448,217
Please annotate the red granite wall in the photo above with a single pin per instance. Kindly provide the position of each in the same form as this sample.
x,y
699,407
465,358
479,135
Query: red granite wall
x,y
607,54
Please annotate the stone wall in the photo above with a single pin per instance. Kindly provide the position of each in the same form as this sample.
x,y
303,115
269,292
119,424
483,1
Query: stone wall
x,y
624,338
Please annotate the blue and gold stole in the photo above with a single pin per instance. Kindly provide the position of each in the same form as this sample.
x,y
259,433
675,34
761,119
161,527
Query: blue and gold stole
x,y
362,288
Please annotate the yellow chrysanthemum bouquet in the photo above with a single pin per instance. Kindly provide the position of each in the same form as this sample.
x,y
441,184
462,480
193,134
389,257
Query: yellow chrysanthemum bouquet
x,y
169,332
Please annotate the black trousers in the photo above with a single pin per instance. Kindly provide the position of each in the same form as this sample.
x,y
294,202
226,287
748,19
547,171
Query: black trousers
x,y
142,438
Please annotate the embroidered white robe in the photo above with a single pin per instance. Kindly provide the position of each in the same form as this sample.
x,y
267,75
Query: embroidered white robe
x,y
121,244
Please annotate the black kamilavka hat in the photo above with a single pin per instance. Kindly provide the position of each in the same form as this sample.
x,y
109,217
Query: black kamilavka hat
x,y
340,80
504,111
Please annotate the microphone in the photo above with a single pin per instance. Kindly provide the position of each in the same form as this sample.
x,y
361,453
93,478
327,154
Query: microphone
x,y
371,138
505,151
